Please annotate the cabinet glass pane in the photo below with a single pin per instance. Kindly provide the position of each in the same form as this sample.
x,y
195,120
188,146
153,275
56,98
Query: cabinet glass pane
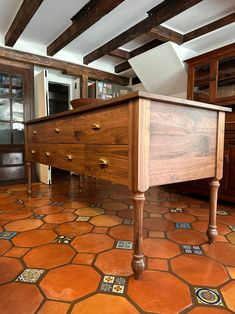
x,y
226,77
5,109
5,133
18,133
4,84
17,110
201,82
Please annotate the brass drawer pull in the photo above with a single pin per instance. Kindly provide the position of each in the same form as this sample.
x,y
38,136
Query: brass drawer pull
x,y
48,154
33,151
103,162
69,157
57,130
34,132
96,126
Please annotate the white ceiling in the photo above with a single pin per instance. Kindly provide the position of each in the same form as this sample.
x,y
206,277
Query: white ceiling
x,y
53,17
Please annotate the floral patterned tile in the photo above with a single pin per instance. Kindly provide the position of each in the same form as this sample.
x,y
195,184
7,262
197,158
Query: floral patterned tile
x,y
93,205
83,218
63,239
30,275
126,245
113,284
208,296
222,212
37,216
131,206
176,210
182,225
19,201
192,249
57,204
7,235
127,221
232,228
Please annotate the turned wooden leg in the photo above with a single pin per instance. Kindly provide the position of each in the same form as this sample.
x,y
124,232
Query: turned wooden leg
x,y
138,261
29,176
212,228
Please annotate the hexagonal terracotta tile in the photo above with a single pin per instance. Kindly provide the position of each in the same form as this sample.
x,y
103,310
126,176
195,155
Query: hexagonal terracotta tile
x,y
158,224
22,297
10,206
92,243
114,206
208,310
54,307
19,214
222,252
199,270
23,225
16,252
108,304
59,218
49,256
182,217
157,209
122,232
74,228
106,220
4,246
75,204
89,211
9,269
159,290
228,292
171,204
38,203
115,262
203,225
187,236
34,238
231,237
160,248
70,282
197,211
49,209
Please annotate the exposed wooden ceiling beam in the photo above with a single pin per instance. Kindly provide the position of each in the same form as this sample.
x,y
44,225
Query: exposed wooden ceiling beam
x,y
166,34
126,65
92,12
120,53
21,20
159,14
210,27
68,67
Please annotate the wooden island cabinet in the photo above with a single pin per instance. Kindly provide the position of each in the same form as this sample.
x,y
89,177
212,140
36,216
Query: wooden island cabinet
x,y
138,140
211,79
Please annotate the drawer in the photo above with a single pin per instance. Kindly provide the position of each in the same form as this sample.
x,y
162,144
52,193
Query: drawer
x,y
107,162
106,126
64,156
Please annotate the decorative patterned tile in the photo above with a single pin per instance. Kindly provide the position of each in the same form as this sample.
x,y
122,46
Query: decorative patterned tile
x,y
37,216
93,205
19,201
232,228
127,221
222,212
192,249
30,275
176,210
57,204
182,225
208,296
7,234
63,239
113,284
83,218
126,245
130,206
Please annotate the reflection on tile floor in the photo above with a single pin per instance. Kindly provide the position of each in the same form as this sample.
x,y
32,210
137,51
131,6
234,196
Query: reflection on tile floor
x,y
64,251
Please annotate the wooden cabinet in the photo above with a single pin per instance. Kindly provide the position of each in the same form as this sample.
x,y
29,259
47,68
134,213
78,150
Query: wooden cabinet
x,y
211,78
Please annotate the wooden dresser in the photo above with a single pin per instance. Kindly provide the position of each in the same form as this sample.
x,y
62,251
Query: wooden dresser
x,y
138,140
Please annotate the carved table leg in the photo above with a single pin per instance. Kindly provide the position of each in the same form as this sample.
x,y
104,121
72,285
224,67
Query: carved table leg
x,y
212,228
29,176
138,260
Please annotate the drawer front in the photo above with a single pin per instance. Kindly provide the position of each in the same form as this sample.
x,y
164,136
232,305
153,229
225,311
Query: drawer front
x,y
41,132
107,126
64,156
107,162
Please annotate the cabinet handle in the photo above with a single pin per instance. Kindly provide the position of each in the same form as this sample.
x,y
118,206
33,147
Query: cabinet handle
x,y
57,130
33,151
103,162
34,132
48,154
69,157
96,126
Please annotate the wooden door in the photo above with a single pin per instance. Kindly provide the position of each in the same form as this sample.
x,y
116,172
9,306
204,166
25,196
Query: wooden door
x,y
16,86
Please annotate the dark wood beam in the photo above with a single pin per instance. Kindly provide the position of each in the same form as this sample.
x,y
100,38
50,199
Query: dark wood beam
x,y
159,14
21,20
210,27
165,34
126,65
92,12
67,67
120,53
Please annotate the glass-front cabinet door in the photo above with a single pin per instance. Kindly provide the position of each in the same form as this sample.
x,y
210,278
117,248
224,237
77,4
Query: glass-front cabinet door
x,y
15,108
201,87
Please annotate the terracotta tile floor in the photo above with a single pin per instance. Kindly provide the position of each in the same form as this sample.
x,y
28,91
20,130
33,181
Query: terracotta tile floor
x,y
64,251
